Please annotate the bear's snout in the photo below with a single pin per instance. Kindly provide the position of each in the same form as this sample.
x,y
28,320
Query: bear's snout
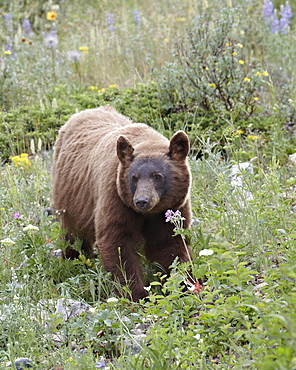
x,y
142,203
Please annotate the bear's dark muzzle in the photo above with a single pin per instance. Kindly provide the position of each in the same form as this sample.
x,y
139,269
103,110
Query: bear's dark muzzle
x,y
142,203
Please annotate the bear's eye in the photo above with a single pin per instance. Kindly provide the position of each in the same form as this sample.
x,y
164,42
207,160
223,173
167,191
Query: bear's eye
x,y
135,179
158,177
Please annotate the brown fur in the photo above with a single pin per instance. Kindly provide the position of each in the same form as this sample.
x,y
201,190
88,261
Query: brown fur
x,y
94,152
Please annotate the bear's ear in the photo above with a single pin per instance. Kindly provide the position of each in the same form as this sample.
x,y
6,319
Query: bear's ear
x,y
124,150
179,146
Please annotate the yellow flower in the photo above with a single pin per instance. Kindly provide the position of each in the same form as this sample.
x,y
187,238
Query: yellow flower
x,y
51,16
166,40
256,98
240,45
234,53
247,79
238,132
253,137
112,86
265,73
21,160
102,90
7,52
228,44
212,85
83,48
258,74
92,87
241,62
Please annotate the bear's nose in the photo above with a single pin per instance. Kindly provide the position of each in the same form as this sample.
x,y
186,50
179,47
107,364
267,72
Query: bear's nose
x,y
142,203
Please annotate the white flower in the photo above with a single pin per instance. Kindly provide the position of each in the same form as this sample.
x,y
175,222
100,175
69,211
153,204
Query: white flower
x,y
31,228
7,241
112,299
206,252
74,56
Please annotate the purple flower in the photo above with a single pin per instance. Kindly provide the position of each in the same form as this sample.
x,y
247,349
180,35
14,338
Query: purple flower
x,y
8,21
274,24
101,364
271,18
17,215
286,13
110,22
51,39
268,10
26,26
137,18
170,215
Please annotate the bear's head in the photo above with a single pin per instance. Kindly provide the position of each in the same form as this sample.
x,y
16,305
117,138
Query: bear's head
x,y
154,180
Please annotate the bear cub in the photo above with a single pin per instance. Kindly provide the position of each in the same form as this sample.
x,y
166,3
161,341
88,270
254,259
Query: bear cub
x,y
112,182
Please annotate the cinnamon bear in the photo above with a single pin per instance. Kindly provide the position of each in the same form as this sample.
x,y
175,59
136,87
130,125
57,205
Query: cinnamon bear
x,y
113,181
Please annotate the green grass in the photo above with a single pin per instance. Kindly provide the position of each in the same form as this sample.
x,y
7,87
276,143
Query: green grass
x,y
244,315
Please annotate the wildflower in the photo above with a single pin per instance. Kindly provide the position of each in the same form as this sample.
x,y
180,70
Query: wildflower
x,y
137,18
253,137
206,252
241,62
50,39
166,39
286,15
83,48
101,90
228,44
240,45
195,287
265,73
51,16
26,26
9,51
17,215
92,88
258,74
234,53
238,132
112,300
247,79
25,41
21,160
255,98
112,86
212,85
8,21
110,22
268,10
170,215
74,56
101,364
7,241
31,228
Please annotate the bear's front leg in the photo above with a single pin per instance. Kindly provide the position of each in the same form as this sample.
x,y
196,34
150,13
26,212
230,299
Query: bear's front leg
x,y
117,243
